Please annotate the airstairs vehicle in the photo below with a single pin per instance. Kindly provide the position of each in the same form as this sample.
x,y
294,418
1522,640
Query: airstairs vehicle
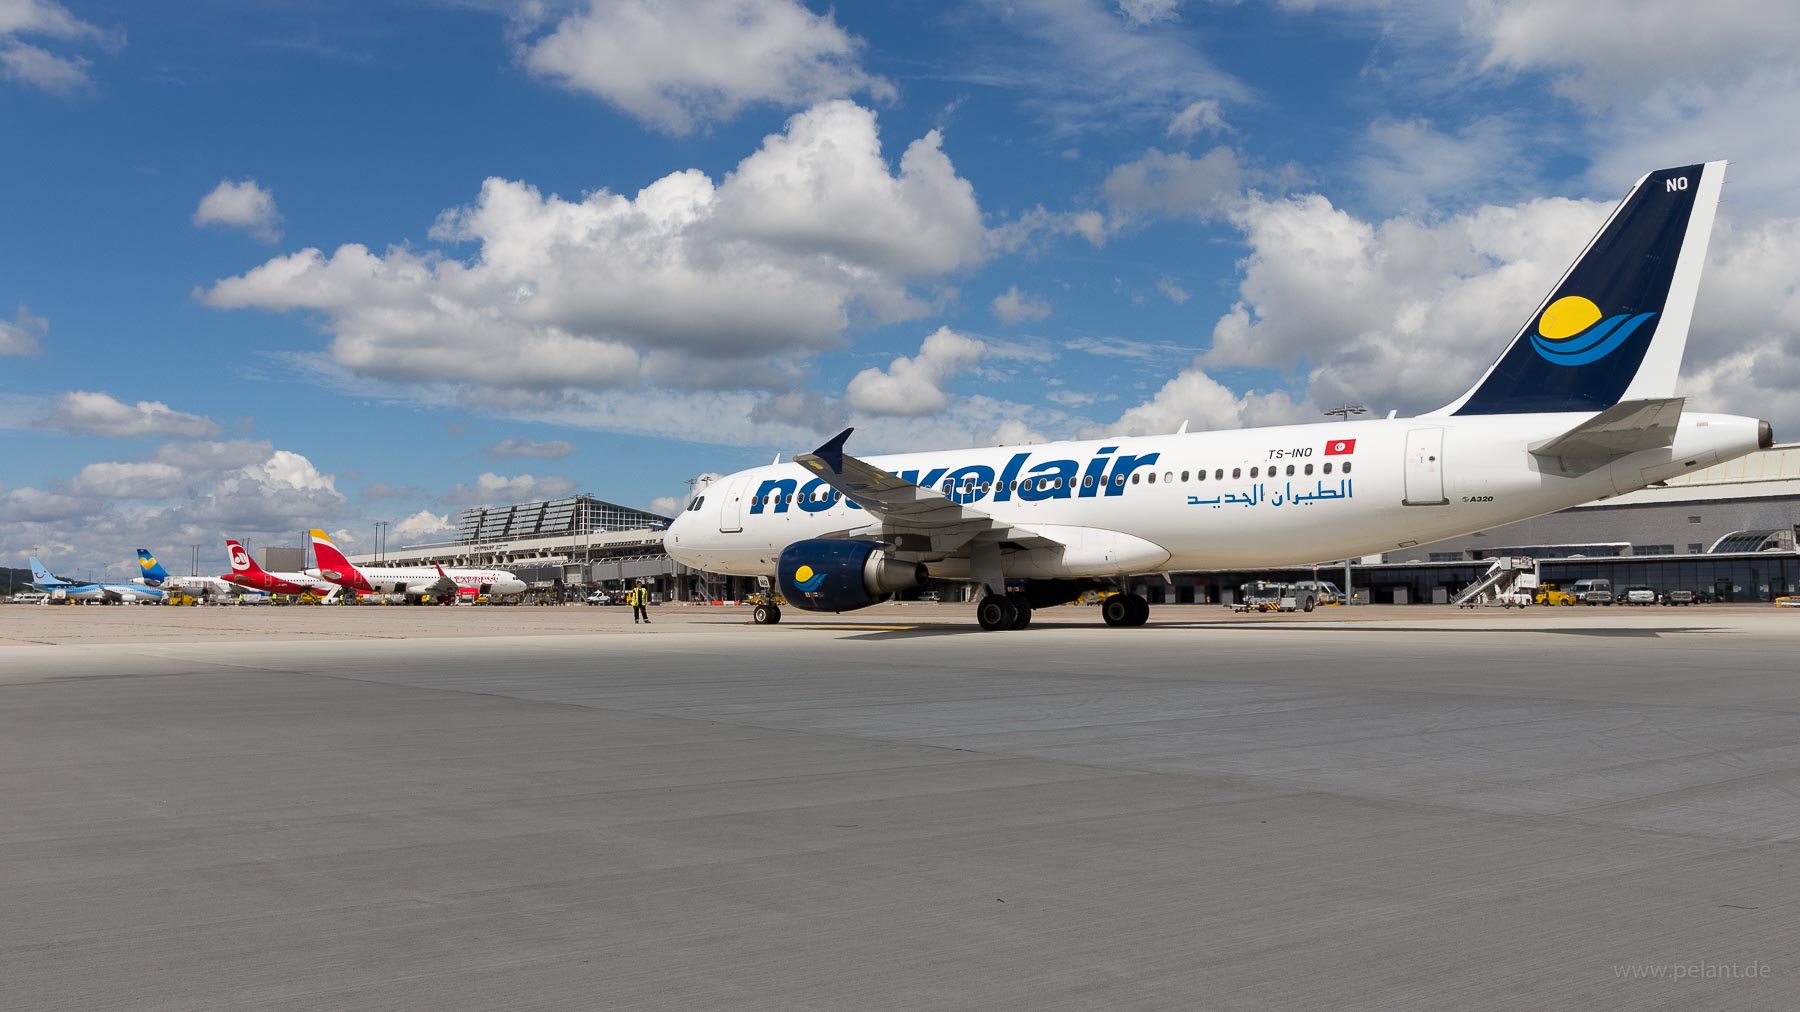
x,y
1512,581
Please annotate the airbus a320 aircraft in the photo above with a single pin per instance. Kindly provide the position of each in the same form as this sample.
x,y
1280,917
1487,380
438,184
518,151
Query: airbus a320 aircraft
x,y
247,575
415,582
1579,407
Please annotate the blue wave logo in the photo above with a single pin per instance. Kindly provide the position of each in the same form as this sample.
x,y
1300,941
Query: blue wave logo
x,y
1572,331
807,580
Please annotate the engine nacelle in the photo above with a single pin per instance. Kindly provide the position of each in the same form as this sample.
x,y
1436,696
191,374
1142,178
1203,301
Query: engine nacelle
x,y
822,574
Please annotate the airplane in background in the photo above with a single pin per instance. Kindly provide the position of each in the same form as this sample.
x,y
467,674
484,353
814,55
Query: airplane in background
x,y
246,575
204,587
415,582
1580,406
106,593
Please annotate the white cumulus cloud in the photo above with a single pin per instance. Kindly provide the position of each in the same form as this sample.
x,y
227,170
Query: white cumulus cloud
x,y
1178,185
682,64
21,336
35,66
496,489
246,205
91,413
914,386
187,493
127,480
1197,118
423,525
1014,306
690,283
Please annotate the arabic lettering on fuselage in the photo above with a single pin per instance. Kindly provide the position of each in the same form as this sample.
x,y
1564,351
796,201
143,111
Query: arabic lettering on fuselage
x,y
1047,479
1258,495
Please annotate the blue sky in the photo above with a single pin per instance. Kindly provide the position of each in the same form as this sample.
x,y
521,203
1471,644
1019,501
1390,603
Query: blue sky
x,y
266,266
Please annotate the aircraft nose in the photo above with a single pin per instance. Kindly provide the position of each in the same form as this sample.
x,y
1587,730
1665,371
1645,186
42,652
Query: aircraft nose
x,y
673,540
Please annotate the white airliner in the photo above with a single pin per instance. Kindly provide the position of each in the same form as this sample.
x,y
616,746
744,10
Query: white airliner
x,y
155,576
1581,406
416,582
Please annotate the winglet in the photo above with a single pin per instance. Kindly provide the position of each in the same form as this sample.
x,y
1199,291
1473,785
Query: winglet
x,y
832,453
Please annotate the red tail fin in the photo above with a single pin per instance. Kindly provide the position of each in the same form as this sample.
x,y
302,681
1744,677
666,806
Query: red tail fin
x,y
241,562
329,558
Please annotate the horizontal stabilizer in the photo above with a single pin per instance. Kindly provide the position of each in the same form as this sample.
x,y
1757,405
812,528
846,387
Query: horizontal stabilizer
x,y
1626,427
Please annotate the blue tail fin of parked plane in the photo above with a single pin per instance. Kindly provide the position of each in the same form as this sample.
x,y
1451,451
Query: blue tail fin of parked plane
x,y
154,574
40,575
1614,327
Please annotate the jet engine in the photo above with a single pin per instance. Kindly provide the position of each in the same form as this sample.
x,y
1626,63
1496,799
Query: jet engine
x,y
822,574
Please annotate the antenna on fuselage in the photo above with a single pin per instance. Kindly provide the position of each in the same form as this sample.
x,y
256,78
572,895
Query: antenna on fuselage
x,y
1183,429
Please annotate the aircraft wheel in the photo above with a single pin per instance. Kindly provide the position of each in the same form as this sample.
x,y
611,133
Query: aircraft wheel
x,y
1021,611
1139,608
995,612
766,614
1116,610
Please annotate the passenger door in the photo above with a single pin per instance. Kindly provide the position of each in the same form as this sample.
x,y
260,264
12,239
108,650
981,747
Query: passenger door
x,y
1425,467
731,508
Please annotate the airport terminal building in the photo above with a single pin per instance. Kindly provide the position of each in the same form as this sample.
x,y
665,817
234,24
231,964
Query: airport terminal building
x,y
559,545
1727,532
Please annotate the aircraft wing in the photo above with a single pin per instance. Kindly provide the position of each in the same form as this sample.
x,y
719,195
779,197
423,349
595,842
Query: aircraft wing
x,y
912,518
1626,427
443,585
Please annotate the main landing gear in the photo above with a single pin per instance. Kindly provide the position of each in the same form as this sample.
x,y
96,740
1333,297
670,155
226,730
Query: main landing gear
x,y
765,614
1003,611
1125,610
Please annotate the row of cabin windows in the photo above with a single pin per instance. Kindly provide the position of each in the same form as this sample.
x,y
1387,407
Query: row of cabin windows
x,y
1046,484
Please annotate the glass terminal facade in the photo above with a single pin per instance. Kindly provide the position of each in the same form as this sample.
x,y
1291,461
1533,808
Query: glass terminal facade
x,y
580,514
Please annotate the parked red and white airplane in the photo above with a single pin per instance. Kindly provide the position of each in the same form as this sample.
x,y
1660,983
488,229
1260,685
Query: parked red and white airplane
x,y
1580,406
416,582
247,574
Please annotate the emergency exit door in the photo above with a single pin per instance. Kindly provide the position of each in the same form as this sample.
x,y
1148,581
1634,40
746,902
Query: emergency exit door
x,y
1425,467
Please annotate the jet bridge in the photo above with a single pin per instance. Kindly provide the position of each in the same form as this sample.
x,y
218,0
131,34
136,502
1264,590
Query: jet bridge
x,y
1511,581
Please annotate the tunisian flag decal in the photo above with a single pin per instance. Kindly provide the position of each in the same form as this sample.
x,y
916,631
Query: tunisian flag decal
x,y
1337,446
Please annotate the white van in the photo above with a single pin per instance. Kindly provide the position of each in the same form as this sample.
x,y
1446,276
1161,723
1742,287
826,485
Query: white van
x,y
1592,592
1324,591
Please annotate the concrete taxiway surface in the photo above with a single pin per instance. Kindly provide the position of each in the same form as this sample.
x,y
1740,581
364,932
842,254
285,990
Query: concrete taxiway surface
x,y
548,808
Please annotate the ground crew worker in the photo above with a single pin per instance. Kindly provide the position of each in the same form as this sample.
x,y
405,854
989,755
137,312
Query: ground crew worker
x,y
639,599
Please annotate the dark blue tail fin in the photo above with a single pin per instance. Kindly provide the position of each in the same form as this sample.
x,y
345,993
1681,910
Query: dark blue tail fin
x,y
1616,324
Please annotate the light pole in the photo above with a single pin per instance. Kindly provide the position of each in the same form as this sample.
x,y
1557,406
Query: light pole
x,y
1344,411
